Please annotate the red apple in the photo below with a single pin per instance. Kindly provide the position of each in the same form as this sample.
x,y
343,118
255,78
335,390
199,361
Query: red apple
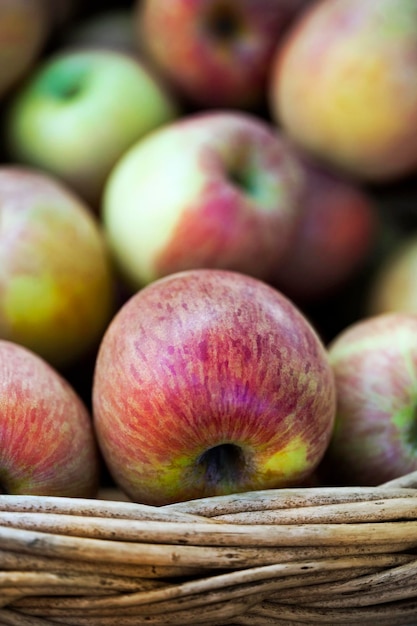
x,y
24,29
375,366
214,189
343,85
335,236
214,52
56,276
210,382
48,445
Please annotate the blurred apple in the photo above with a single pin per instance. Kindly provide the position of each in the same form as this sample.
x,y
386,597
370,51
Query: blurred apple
x,y
393,285
344,86
214,189
24,29
56,279
78,113
48,446
215,52
335,236
375,435
210,382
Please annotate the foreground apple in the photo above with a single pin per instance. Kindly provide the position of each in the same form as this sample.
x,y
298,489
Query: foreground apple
x,y
375,366
215,189
335,236
56,278
210,382
221,52
78,113
343,85
24,30
48,445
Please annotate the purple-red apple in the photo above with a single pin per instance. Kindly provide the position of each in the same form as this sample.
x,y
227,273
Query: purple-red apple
x,y
393,285
48,445
375,367
80,110
215,52
24,30
343,85
210,382
213,189
56,274
335,236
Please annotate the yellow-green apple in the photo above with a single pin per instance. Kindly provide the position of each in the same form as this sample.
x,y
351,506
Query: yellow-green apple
x,y
343,85
213,189
24,30
210,382
78,113
56,275
214,52
335,236
48,445
393,285
375,367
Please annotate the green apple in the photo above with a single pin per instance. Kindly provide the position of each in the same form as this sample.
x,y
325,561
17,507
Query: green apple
x,y
80,111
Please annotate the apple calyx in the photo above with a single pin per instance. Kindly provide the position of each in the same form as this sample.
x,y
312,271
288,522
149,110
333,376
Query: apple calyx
x,y
222,464
65,85
223,22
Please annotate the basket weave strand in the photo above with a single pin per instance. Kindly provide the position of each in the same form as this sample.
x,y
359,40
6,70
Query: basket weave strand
x,y
292,556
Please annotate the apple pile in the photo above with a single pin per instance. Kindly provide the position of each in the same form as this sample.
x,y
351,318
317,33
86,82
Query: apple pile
x,y
208,252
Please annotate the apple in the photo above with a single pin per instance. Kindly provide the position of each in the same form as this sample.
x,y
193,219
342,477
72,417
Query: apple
x,y
56,274
343,86
335,236
78,113
213,189
24,30
210,382
393,285
375,367
48,445
215,53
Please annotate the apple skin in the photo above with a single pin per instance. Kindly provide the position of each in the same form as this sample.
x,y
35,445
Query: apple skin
x,y
48,445
343,86
375,366
336,234
56,280
393,285
24,30
78,113
210,382
221,52
214,189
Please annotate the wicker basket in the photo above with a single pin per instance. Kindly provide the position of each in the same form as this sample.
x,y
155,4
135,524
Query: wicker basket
x,y
290,556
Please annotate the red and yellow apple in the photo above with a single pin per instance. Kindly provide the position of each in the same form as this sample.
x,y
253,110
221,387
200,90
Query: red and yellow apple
x,y
375,367
48,445
336,234
80,110
343,85
210,382
56,274
214,189
214,53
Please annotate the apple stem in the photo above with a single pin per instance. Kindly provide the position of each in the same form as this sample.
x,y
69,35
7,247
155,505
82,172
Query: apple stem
x,y
222,464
